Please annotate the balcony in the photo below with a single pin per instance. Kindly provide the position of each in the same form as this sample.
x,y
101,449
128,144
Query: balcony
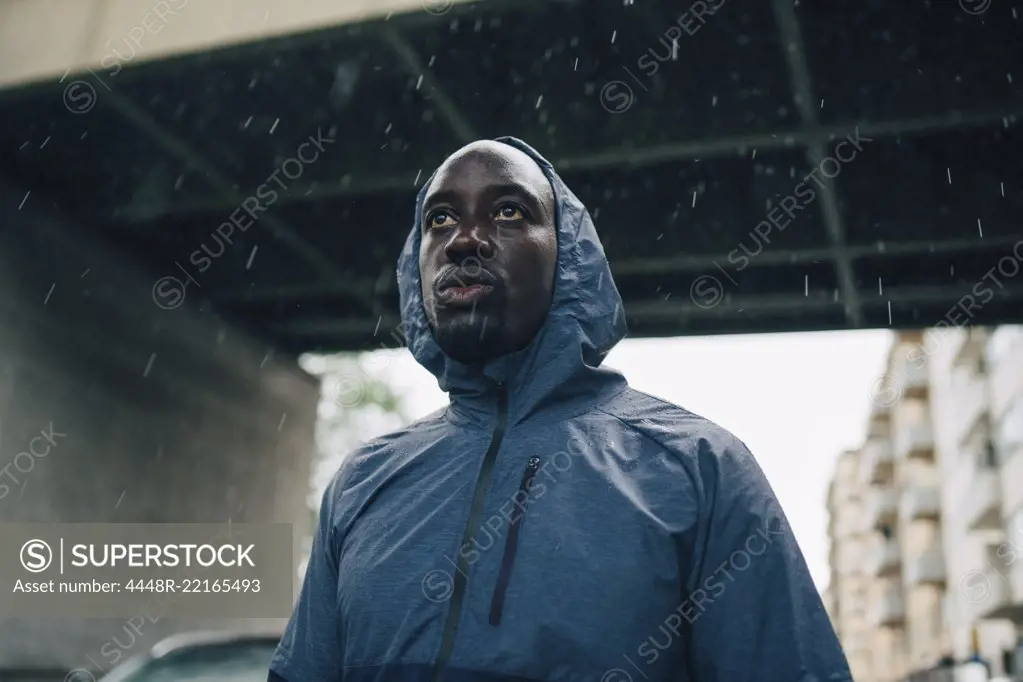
x,y
916,440
884,559
971,406
927,568
882,508
887,608
920,502
913,377
877,463
968,346
982,506
987,593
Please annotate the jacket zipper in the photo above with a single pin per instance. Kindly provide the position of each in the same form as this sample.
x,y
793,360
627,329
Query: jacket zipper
x,y
511,543
475,517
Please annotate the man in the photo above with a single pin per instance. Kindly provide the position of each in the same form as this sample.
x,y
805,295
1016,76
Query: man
x,y
551,523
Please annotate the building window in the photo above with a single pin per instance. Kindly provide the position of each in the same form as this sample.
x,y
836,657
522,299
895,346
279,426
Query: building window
x,y
988,455
1009,434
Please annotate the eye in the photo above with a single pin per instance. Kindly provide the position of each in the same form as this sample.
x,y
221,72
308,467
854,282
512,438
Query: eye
x,y
439,219
509,212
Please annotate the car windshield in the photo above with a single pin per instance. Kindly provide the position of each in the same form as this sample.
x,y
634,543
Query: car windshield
x,y
246,662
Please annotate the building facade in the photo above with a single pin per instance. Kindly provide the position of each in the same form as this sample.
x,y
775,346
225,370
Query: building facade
x,y
926,517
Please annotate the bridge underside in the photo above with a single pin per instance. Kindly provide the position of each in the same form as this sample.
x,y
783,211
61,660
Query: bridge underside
x,y
744,104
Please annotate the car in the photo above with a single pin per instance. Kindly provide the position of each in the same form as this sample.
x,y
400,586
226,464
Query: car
x,y
201,657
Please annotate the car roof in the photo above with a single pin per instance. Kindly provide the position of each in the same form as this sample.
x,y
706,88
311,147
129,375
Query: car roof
x,y
192,640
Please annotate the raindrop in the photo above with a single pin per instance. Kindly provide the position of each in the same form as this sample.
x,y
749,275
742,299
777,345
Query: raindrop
x,y
980,230
281,425
674,50
416,181
539,100
949,171
388,128
1009,76
24,200
245,125
419,81
889,313
880,288
49,293
614,34
1002,185
433,58
252,256
575,67
44,142
806,285
694,199
274,126
714,101
179,182
660,236
822,104
149,365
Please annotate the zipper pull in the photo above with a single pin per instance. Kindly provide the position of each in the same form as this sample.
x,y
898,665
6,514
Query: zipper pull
x,y
527,477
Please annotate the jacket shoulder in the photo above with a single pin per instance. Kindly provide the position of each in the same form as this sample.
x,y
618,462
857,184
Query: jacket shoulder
x,y
390,449
676,429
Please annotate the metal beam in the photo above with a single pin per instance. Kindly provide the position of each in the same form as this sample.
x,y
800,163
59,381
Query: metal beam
x,y
802,89
666,265
714,147
680,309
178,149
415,67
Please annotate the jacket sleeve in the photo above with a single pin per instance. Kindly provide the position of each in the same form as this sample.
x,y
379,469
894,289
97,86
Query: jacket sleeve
x,y
753,610
310,648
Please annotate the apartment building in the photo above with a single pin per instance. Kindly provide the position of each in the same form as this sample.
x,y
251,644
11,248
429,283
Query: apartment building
x,y
977,386
846,595
899,576
926,516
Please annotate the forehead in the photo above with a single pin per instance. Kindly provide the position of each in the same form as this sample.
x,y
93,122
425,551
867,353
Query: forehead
x,y
481,164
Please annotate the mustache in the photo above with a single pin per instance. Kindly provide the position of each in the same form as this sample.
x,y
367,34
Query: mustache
x,y
460,277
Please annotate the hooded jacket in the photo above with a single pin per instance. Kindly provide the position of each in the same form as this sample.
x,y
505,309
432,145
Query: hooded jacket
x,y
553,524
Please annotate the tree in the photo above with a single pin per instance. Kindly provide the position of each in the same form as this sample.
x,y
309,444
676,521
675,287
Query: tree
x,y
357,403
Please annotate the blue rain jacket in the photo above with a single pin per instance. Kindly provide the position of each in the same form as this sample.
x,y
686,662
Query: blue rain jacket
x,y
553,524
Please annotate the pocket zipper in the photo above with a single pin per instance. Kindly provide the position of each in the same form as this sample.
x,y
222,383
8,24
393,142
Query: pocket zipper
x,y
511,543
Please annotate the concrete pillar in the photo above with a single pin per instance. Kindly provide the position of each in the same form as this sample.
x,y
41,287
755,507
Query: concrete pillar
x,y
168,415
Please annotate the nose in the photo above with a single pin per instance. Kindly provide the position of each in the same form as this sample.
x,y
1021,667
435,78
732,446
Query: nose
x,y
469,242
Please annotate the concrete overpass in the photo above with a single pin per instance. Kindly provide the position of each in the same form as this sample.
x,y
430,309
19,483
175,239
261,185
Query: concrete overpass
x,y
135,135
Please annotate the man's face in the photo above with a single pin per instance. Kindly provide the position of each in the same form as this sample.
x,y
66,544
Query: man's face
x,y
489,251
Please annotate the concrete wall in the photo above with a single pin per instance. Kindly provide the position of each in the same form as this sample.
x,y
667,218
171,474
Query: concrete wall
x,y
104,34
167,415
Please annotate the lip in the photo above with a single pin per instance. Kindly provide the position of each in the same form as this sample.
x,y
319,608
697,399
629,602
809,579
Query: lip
x,y
465,295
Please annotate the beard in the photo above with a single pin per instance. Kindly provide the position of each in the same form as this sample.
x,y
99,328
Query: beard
x,y
472,336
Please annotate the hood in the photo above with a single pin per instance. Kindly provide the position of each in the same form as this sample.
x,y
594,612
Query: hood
x,y
562,363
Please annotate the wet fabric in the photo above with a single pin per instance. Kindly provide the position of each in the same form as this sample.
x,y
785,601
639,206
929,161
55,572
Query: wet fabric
x,y
554,524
